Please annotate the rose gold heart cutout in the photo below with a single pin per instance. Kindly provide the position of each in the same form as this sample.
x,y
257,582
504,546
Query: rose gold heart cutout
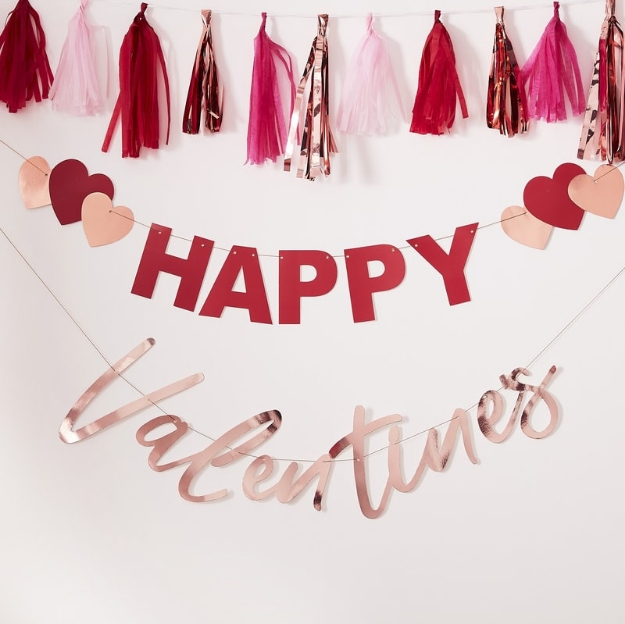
x,y
525,228
33,178
103,223
600,194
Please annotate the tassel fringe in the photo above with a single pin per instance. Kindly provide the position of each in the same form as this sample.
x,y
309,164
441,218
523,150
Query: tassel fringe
x,y
266,130
204,95
506,107
434,108
317,141
24,68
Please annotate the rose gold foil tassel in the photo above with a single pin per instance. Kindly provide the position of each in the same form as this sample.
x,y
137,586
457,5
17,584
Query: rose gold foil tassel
x,y
204,95
506,108
317,142
603,129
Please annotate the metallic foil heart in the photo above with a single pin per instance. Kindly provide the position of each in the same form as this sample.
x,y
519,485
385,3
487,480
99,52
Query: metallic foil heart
x,y
104,223
34,179
600,194
523,227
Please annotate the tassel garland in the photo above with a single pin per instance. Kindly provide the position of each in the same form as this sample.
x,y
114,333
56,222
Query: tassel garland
x,y
139,58
24,68
370,93
603,130
550,72
506,105
204,95
266,130
434,108
75,89
317,142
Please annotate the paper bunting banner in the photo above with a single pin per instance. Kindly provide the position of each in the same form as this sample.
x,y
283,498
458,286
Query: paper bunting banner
x,y
524,228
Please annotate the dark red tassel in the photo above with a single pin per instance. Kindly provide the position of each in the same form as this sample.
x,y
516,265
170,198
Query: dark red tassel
x,y
204,95
139,59
24,68
434,108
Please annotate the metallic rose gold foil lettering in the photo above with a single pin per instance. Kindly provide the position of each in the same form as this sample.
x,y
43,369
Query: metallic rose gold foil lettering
x,y
287,489
66,432
540,393
253,476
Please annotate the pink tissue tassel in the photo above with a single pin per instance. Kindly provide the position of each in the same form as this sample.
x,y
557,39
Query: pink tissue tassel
x,y
267,130
370,93
75,89
550,72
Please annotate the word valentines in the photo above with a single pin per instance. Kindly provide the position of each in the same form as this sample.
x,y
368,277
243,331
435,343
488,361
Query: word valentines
x,y
236,444
244,261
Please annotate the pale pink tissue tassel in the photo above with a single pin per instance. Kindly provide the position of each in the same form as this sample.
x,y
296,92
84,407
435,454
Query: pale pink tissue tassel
x,y
75,89
370,92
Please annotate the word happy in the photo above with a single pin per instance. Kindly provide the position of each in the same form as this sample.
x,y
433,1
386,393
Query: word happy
x,y
244,261
236,444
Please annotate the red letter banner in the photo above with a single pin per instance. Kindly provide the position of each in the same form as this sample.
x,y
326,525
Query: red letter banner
x,y
190,270
450,266
362,285
292,289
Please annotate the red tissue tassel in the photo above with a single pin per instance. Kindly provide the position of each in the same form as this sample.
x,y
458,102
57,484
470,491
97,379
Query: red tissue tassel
x,y
317,141
24,68
506,106
434,108
204,94
266,131
139,59
603,129
551,71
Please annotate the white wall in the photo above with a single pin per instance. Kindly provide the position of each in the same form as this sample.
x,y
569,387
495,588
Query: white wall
x,y
533,533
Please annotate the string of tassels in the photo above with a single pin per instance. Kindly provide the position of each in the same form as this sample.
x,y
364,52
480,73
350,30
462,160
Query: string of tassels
x,y
506,107
204,96
603,130
551,72
267,129
317,142
24,68
140,57
370,93
434,108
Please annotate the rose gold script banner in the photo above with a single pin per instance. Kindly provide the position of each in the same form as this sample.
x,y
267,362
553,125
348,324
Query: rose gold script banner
x,y
236,443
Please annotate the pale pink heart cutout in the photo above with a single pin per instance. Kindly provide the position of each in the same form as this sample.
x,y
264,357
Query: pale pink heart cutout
x,y
104,223
600,194
34,178
525,228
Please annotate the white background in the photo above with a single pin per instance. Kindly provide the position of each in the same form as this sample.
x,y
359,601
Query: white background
x,y
533,533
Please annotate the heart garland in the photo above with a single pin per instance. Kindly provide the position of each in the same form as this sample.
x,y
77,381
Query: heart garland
x,y
562,201
76,196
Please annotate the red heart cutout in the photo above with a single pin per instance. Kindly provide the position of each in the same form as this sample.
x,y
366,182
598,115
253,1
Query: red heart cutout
x,y
70,183
548,199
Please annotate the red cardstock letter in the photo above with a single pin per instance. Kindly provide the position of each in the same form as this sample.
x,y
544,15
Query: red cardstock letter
x,y
362,285
190,270
450,266
254,299
292,289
